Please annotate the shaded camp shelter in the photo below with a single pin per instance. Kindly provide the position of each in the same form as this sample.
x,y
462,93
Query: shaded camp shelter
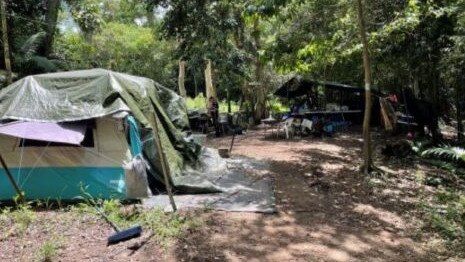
x,y
351,96
102,142
301,86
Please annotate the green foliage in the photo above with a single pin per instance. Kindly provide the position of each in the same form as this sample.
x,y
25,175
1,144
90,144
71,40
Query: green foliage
x,y
124,11
200,102
77,53
32,44
126,48
21,217
448,153
48,250
276,106
447,216
219,31
164,226
28,59
421,145
450,158
223,106
4,216
88,15
407,40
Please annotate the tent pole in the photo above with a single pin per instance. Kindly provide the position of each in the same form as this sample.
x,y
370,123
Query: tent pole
x,y
12,180
164,164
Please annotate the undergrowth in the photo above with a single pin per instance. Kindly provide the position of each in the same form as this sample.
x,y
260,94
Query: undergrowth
x,y
165,227
445,216
447,157
200,102
445,210
49,250
20,217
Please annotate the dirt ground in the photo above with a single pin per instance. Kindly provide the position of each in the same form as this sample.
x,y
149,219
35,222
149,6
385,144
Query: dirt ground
x,y
327,211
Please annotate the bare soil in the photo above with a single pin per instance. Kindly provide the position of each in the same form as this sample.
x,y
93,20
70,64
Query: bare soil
x,y
327,211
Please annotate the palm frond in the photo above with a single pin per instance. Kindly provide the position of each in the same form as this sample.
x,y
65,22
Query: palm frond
x,y
32,44
450,153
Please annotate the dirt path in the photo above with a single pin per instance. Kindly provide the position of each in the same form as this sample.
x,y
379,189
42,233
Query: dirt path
x,y
327,210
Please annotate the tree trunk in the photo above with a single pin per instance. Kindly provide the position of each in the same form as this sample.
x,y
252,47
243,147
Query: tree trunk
x,y
181,78
209,88
416,84
6,47
259,90
367,158
228,98
459,108
245,99
51,22
195,83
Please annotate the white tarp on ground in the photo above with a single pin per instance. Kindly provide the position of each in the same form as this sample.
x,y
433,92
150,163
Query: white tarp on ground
x,y
243,192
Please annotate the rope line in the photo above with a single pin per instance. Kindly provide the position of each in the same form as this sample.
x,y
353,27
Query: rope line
x,y
35,164
20,159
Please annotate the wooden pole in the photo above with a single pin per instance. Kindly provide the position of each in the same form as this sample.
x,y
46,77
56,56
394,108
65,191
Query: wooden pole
x,y
6,47
181,79
164,164
367,158
12,180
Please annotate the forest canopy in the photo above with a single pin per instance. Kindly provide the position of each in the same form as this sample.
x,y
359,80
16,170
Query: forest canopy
x,y
417,44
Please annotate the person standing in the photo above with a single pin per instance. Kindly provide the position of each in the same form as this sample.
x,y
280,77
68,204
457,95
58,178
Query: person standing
x,y
214,114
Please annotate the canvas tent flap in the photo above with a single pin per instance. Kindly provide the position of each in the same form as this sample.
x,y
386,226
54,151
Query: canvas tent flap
x,y
87,94
52,132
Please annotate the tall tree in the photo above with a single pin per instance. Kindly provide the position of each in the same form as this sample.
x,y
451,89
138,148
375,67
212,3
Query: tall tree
x,y
453,63
51,22
202,29
88,15
367,156
6,47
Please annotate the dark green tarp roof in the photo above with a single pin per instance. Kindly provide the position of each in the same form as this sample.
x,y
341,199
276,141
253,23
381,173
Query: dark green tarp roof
x,y
300,86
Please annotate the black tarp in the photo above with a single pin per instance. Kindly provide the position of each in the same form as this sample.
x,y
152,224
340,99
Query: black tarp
x,y
300,86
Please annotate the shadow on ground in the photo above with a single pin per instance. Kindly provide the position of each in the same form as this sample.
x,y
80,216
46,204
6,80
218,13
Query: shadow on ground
x,y
327,211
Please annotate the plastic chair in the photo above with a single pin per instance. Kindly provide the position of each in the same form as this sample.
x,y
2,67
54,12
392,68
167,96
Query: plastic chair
x,y
287,126
308,124
223,122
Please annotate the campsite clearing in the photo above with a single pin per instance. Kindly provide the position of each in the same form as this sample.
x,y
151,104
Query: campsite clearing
x,y
327,211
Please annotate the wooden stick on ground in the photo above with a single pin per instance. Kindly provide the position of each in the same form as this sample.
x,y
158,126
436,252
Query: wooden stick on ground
x,y
232,141
164,163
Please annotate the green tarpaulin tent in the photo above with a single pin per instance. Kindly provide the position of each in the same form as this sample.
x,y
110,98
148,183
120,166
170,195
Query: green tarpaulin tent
x,y
115,108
